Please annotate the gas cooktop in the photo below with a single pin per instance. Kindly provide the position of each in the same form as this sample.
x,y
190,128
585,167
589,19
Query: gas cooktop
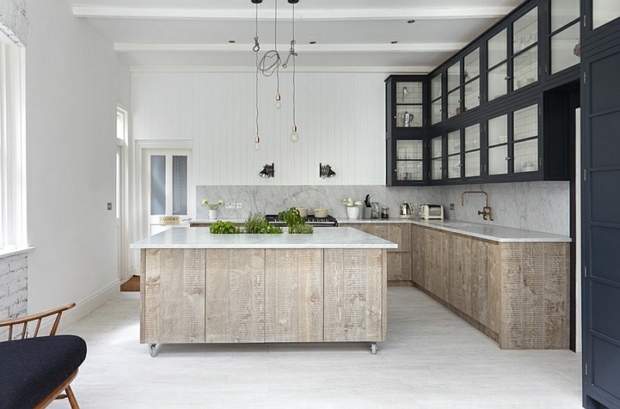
x,y
329,221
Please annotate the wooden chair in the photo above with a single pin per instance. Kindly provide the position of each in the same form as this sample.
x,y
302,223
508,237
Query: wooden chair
x,y
36,369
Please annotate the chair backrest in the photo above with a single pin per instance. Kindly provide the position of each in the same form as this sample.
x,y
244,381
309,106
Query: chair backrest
x,y
29,327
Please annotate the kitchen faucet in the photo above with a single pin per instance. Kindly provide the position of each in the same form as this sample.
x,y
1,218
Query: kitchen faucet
x,y
486,210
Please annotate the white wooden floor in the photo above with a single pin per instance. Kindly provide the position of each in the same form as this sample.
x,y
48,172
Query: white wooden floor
x,y
432,359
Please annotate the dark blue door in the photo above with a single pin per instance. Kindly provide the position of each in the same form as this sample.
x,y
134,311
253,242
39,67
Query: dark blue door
x,y
601,229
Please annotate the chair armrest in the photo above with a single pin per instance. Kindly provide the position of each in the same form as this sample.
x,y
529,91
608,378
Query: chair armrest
x,y
38,318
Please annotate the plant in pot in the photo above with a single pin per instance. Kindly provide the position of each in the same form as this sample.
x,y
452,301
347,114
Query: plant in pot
x,y
295,223
353,208
212,207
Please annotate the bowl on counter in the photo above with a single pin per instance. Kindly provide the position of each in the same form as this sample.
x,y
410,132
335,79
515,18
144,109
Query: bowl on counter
x,y
320,212
303,212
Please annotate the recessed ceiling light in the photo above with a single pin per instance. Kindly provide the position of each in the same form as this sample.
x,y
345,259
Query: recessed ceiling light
x,y
394,42
231,41
312,42
410,21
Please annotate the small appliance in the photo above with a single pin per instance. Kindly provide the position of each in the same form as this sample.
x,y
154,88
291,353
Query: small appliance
x,y
431,212
406,211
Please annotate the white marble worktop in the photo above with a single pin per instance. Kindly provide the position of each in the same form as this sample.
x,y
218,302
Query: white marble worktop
x,y
323,237
483,231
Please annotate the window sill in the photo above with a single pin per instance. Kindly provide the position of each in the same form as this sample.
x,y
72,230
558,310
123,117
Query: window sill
x,y
12,252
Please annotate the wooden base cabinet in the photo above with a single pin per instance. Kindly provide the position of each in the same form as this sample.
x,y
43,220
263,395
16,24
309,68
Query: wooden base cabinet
x,y
517,293
398,260
263,295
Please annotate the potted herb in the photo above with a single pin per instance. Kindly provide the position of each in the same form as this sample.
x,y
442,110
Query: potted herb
x,y
295,223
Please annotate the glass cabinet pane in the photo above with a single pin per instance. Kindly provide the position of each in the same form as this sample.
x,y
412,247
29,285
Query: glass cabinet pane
x,y
525,31
472,95
409,149
498,82
498,160
454,142
526,156
497,48
604,11
158,184
472,164
525,68
564,52
454,103
454,167
498,130
563,12
409,170
409,93
472,65
454,76
436,169
525,123
436,111
409,116
436,87
179,185
436,150
472,148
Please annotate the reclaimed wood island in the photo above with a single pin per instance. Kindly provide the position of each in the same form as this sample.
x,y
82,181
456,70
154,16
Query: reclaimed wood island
x,y
198,287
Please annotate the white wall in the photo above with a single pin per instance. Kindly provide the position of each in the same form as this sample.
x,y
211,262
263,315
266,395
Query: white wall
x,y
340,117
71,95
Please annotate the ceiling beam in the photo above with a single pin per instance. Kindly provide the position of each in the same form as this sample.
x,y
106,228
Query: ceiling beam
x,y
303,48
420,13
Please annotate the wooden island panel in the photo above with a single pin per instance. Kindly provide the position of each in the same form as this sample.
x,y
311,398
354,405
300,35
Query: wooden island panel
x,y
294,294
355,295
173,295
235,301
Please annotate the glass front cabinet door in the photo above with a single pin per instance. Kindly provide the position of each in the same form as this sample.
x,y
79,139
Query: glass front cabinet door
x,y
455,162
472,151
405,161
564,41
436,158
525,50
405,103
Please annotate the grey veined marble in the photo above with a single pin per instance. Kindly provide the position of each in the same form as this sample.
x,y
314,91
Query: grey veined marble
x,y
536,206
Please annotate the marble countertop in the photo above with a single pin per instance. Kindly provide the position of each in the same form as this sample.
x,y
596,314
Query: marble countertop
x,y
479,230
323,237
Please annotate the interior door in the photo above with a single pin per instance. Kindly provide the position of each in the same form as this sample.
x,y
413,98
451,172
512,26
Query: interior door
x,y
601,230
168,183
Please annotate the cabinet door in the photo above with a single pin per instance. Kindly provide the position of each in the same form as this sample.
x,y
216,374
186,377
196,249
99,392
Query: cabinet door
x,y
454,89
499,160
525,136
399,260
436,158
497,75
293,295
471,78
417,255
604,11
234,295
409,104
409,160
525,50
565,35
436,99
472,151
455,165
354,307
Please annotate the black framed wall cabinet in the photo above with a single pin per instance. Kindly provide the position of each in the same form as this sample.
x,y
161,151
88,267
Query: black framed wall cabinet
x,y
600,198
406,161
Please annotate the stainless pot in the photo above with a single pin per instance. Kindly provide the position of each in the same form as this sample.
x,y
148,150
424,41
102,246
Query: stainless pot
x,y
406,211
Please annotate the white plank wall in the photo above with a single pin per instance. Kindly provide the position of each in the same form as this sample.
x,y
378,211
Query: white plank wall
x,y
340,117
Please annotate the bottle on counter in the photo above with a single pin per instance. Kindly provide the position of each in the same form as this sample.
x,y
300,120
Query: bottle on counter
x,y
385,212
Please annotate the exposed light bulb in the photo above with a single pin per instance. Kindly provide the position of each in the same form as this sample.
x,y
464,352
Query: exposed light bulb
x,y
278,101
294,137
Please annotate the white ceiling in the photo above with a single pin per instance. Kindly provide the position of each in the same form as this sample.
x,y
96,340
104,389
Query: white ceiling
x,y
350,35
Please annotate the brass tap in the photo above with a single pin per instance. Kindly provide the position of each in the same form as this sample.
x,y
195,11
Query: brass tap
x,y
486,210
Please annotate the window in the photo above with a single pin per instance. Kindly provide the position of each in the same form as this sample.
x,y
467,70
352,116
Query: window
x,y
12,147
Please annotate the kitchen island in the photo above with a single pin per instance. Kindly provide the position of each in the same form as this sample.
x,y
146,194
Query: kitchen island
x,y
198,287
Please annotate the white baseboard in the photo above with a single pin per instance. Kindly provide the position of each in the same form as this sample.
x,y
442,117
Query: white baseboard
x,y
88,305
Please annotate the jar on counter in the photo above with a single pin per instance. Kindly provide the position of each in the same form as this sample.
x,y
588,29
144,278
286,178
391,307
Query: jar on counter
x,y
385,212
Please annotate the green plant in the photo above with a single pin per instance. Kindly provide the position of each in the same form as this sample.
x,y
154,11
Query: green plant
x,y
295,223
222,227
212,206
257,224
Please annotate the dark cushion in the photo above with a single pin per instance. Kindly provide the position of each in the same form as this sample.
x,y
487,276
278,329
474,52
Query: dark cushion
x,y
30,369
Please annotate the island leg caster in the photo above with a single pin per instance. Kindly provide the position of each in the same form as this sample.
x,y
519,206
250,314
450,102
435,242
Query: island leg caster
x,y
373,348
153,349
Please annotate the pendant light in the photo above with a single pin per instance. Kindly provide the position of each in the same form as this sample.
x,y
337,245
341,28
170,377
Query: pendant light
x,y
294,137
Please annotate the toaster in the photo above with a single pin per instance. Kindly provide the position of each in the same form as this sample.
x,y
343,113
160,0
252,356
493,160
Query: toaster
x,y
431,212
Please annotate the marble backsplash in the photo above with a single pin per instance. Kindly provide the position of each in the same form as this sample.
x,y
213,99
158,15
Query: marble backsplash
x,y
538,206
